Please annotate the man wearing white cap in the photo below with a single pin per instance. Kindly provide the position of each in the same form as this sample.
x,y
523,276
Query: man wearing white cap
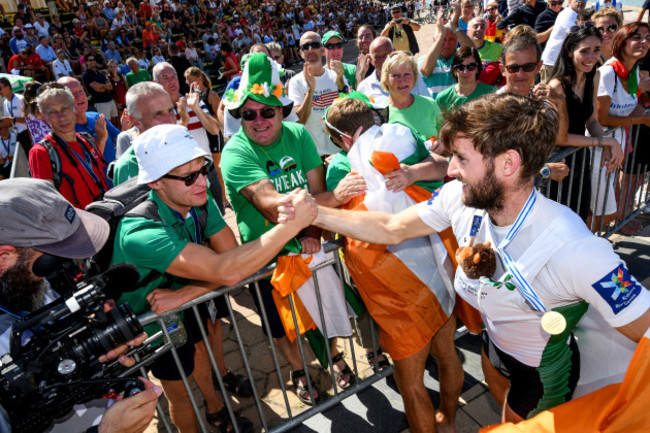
x,y
179,233
35,220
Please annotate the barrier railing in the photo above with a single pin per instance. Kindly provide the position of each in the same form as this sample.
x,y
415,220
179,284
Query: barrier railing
x,y
615,199
294,418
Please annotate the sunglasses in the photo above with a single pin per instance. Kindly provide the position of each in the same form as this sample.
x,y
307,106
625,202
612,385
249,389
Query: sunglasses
x,y
587,25
470,67
556,3
609,29
192,177
250,115
495,8
334,46
527,67
310,45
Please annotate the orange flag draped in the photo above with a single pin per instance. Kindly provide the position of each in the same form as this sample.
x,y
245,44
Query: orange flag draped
x,y
386,162
289,275
617,408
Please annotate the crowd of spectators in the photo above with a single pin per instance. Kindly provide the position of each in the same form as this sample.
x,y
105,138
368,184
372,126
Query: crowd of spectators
x,y
145,64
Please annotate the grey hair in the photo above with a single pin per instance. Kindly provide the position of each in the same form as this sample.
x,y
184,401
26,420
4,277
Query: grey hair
x,y
135,93
274,46
49,94
160,66
131,59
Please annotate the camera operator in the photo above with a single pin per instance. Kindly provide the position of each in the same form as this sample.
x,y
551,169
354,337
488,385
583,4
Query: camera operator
x,y
35,220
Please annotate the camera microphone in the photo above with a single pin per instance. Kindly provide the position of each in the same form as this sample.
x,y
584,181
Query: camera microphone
x,y
119,278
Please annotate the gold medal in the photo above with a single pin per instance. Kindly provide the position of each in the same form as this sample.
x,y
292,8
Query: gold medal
x,y
553,322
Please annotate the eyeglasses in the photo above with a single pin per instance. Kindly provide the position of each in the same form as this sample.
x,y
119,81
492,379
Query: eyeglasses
x,y
310,45
192,177
470,67
250,115
609,29
334,46
556,3
587,25
493,8
527,67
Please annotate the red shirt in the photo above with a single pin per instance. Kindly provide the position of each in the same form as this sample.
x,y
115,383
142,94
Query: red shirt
x,y
15,62
85,188
145,10
34,60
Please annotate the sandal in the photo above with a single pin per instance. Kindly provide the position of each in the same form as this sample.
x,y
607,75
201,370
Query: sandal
x,y
302,392
383,363
340,376
221,420
237,384
632,228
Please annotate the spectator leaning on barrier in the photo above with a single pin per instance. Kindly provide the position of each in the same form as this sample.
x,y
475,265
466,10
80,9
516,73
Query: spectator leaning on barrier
x,y
35,220
182,235
81,179
528,333
266,159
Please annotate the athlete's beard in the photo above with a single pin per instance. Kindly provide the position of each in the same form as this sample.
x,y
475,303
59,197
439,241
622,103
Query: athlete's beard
x,y
486,194
20,289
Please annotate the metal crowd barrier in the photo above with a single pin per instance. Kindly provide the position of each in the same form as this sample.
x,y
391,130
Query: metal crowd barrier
x,y
630,183
294,419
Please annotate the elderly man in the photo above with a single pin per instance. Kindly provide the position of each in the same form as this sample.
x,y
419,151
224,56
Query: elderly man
x,y
266,159
529,318
380,48
314,89
35,220
400,31
79,172
91,122
203,251
136,75
489,51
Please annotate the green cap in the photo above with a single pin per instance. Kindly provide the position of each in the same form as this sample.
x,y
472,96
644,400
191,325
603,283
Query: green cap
x,y
332,34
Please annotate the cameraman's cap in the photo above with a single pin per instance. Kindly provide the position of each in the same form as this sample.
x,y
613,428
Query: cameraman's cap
x,y
33,214
397,6
332,34
162,148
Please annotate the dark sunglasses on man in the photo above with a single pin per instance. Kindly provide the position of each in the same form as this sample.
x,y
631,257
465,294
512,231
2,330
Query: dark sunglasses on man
x,y
250,115
334,45
192,177
310,45
527,67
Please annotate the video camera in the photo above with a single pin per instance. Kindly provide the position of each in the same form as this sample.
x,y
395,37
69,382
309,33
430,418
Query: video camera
x,y
58,366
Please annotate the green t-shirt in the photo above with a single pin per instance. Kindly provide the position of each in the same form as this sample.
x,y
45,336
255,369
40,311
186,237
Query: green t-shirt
x,y
285,162
449,98
153,245
490,51
125,167
423,116
350,74
339,167
137,77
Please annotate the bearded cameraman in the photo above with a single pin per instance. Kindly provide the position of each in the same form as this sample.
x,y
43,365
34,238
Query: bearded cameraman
x,y
35,220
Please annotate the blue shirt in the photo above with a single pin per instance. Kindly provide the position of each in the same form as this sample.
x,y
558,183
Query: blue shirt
x,y
109,14
89,128
113,55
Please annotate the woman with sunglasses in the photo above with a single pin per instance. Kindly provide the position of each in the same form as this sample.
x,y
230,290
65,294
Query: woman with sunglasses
x,y
618,105
575,78
465,68
608,21
420,113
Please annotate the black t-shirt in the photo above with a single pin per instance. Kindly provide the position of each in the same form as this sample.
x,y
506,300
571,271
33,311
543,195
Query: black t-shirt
x,y
525,14
545,20
90,76
180,65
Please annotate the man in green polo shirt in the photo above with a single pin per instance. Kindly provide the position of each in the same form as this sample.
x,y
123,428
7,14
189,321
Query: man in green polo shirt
x,y
333,43
136,75
178,240
263,161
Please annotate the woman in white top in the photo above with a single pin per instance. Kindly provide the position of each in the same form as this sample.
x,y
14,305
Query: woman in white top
x,y
618,105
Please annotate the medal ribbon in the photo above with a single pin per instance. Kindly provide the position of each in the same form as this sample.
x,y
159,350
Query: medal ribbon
x,y
524,287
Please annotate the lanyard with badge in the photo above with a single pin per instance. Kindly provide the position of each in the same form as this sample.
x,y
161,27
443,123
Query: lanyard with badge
x,y
197,239
552,322
7,146
11,105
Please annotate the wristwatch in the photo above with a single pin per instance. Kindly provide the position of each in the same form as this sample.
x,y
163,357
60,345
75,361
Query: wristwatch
x,y
545,172
458,29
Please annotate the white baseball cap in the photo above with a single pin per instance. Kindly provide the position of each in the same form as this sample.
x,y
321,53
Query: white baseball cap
x,y
162,148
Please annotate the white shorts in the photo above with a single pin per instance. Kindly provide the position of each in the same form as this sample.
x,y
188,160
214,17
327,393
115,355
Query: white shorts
x,y
108,109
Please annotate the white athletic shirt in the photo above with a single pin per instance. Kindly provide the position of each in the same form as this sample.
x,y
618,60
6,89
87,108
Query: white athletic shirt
x,y
564,21
584,268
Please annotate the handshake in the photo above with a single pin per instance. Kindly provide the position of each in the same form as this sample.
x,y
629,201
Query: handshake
x,y
298,208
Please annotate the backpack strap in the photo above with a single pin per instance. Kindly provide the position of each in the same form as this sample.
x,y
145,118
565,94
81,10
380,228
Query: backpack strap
x,y
55,162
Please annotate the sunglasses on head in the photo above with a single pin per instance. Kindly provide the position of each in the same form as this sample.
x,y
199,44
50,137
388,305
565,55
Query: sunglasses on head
x,y
587,25
310,45
334,45
192,177
470,67
609,29
250,115
527,67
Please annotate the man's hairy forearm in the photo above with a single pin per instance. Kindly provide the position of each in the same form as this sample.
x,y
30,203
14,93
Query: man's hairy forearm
x,y
365,226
